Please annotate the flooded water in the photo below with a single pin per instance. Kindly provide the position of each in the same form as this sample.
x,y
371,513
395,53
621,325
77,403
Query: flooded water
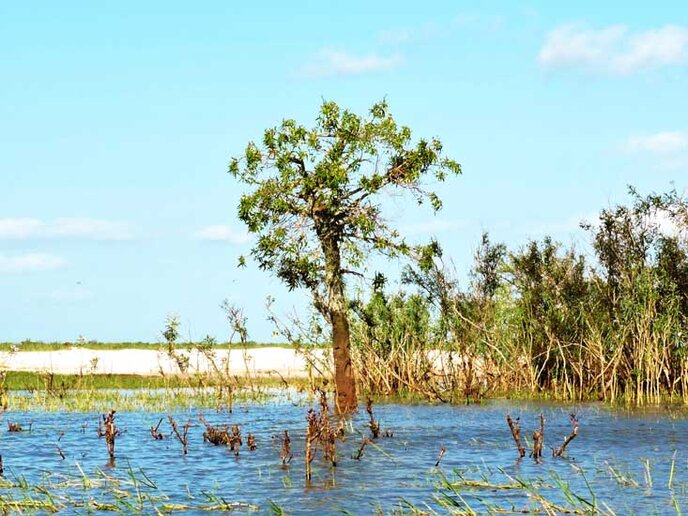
x,y
621,459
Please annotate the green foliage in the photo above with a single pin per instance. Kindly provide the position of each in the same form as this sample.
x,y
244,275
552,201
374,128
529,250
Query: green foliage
x,y
314,192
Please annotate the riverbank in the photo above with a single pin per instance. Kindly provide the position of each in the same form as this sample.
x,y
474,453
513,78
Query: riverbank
x,y
254,361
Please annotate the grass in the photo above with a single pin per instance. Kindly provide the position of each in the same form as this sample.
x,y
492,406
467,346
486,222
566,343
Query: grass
x,y
137,493
85,393
36,381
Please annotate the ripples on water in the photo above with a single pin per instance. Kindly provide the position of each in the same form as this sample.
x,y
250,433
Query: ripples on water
x,y
610,450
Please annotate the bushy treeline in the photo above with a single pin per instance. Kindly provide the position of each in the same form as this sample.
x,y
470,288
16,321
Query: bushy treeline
x,y
610,324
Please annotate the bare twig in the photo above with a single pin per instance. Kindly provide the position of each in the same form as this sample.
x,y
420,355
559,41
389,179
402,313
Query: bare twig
x,y
183,437
574,432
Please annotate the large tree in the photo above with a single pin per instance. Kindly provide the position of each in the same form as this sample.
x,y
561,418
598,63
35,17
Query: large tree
x,y
314,202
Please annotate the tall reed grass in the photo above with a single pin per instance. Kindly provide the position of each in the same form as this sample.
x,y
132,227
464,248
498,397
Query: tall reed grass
x,y
541,320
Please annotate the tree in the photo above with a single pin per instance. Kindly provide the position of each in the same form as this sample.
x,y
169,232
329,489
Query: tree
x,y
314,204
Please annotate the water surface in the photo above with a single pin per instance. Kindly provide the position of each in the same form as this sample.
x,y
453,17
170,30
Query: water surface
x,y
623,458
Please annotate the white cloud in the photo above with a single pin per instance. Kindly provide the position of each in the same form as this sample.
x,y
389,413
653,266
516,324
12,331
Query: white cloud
x,y
222,233
19,228
330,62
614,48
29,262
666,142
77,228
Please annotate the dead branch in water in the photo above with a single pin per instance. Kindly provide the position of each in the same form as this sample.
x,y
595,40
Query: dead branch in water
x,y
374,425
574,432
539,440
183,437
286,454
235,440
515,428
109,430
359,453
155,431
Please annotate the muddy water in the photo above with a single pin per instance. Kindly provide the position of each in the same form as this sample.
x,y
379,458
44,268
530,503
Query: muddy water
x,y
624,458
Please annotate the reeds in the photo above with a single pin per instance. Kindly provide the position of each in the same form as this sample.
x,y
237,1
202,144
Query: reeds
x,y
540,320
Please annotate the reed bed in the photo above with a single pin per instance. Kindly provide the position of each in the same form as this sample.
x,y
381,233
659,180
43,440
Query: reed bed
x,y
544,320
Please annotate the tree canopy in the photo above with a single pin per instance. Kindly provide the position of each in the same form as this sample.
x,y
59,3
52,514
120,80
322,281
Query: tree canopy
x,y
314,198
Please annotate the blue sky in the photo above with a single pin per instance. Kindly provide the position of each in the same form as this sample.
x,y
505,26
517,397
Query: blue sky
x,y
118,121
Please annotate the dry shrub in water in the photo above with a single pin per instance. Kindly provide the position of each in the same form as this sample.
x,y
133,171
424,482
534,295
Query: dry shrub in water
x,y
108,429
182,437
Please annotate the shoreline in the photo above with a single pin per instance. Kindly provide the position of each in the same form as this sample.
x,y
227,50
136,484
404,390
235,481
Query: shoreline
x,y
236,362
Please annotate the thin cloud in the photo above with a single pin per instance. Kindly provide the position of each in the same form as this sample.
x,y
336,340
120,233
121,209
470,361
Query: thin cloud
x,y
222,233
31,262
666,142
64,228
615,48
331,63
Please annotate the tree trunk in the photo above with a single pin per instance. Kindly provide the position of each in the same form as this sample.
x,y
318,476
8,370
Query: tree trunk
x,y
344,380
343,372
